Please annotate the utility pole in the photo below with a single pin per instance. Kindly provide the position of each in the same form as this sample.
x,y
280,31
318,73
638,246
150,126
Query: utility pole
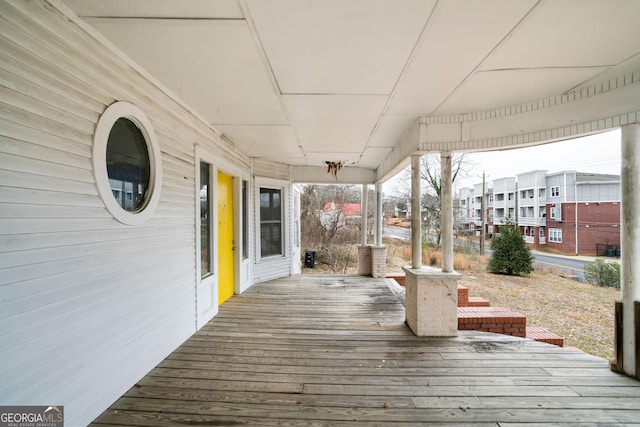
x,y
482,215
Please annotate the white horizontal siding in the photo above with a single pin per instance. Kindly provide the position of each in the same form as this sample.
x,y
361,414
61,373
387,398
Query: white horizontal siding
x,y
272,269
87,305
268,169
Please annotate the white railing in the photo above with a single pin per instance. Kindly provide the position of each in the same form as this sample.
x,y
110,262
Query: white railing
x,y
532,222
528,239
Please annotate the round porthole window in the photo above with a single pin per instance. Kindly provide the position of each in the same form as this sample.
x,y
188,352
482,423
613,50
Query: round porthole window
x,y
127,163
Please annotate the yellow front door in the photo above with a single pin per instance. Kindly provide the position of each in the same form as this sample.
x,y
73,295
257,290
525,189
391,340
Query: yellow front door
x,y
225,237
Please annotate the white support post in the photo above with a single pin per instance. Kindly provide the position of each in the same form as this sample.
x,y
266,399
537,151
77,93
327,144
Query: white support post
x,y
446,212
630,243
416,231
364,212
364,250
431,294
378,252
378,214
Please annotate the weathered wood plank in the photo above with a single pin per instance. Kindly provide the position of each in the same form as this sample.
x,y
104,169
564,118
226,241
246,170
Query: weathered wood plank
x,y
268,361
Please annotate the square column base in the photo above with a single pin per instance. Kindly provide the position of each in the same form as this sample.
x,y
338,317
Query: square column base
x,y
378,261
364,260
431,302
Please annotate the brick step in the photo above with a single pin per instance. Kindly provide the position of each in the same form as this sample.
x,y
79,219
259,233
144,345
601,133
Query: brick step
x,y
492,319
540,334
464,300
479,302
463,296
398,277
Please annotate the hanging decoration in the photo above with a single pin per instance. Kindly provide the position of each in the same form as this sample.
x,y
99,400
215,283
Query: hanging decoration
x,y
334,167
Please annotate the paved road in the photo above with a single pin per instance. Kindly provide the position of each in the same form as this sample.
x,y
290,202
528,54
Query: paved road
x,y
398,232
564,265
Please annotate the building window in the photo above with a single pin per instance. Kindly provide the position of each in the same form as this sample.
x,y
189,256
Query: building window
x,y
270,222
205,220
555,191
555,235
127,163
552,212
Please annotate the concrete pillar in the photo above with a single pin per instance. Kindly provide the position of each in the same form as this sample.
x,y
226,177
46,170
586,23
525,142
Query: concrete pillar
x,y
431,302
378,261
630,242
416,232
364,260
364,212
446,212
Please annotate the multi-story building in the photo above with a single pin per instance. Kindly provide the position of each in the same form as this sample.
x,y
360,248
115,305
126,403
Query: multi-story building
x,y
464,211
565,212
531,209
504,202
583,213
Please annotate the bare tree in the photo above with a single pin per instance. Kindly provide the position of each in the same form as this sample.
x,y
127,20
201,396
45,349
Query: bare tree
x,y
430,174
329,232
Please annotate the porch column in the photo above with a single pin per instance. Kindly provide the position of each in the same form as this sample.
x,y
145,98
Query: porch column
x,y
378,251
446,212
416,232
364,250
431,294
364,212
378,214
630,245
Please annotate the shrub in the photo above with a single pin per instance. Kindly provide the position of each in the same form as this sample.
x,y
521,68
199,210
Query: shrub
x,y
510,253
602,273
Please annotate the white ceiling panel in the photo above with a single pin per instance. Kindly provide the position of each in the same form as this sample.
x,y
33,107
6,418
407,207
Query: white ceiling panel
x,y
571,34
488,90
306,81
157,8
458,37
372,156
210,64
264,141
318,158
334,121
390,130
338,46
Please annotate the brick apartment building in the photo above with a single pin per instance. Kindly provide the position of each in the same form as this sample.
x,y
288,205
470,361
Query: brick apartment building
x,y
565,212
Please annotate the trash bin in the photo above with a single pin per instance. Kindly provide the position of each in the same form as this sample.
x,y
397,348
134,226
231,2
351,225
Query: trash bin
x,y
609,252
309,259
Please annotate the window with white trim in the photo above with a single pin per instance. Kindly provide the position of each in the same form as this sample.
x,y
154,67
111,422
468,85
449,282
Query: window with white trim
x,y
127,163
206,219
555,191
271,240
555,235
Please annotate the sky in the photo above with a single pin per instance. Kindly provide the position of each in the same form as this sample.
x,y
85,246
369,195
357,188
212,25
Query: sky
x,y
598,153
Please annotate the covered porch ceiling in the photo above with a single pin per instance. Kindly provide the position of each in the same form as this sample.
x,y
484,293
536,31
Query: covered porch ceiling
x,y
308,81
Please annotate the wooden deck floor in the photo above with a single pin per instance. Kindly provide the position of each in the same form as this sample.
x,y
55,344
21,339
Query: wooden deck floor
x,y
334,351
